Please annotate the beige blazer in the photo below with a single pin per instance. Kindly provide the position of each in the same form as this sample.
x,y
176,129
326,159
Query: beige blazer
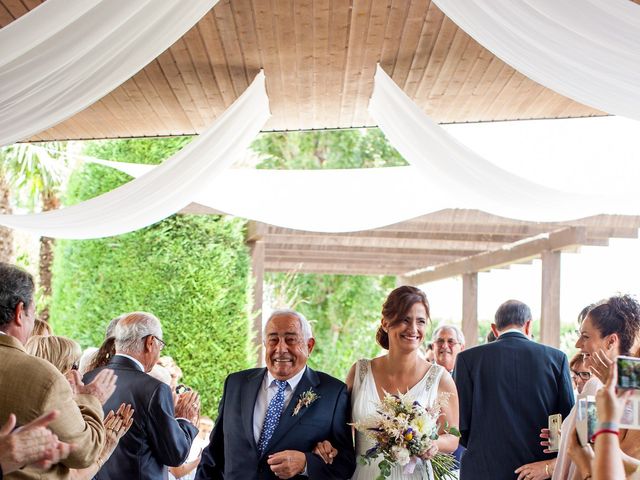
x,y
29,387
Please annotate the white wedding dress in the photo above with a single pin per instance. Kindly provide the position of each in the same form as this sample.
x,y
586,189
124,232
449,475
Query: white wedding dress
x,y
364,398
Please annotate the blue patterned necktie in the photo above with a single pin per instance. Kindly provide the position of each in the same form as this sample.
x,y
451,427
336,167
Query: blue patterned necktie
x,y
272,418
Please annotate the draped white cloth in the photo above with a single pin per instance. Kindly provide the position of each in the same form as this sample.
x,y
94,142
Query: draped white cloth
x,y
314,200
168,187
469,181
588,51
64,55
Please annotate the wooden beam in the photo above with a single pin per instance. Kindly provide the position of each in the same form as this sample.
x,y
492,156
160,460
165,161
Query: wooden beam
x,y
255,231
404,263
419,233
330,269
550,301
470,308
567,238
304,250
366,242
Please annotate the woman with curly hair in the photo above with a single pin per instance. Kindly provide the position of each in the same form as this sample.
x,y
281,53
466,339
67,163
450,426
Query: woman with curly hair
x,y
610,328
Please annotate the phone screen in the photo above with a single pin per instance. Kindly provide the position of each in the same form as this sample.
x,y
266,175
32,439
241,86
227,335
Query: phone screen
x,y
628,372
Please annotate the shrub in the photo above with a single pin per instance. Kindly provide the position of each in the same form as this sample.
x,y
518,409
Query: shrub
x,y
192,272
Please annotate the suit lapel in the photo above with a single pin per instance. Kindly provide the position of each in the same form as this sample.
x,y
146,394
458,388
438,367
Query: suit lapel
x,y
288,420
249,395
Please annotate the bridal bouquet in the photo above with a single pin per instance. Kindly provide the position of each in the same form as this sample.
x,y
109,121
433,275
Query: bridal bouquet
x,y
403,431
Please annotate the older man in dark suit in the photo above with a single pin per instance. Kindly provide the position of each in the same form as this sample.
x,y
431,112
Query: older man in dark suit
x,y
159,436
270,419
507,389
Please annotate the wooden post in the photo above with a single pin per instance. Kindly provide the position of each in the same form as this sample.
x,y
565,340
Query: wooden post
x,y
255,235
470,308
257,271
550,311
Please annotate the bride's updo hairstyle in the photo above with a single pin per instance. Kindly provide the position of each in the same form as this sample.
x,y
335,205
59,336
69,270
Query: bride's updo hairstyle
x,y
396,306
619,314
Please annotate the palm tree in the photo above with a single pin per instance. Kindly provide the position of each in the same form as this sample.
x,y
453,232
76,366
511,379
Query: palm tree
x,y
35,173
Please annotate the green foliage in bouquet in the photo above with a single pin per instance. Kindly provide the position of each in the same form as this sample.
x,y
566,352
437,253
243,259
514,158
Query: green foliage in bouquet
x,y
191,271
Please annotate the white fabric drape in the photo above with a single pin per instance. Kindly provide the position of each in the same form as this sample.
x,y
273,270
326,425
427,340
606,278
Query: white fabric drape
x,y
467,180
65,55
588,51
166,188
314,200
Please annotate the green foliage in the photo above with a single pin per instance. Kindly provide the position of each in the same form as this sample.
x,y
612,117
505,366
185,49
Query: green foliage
x,y
34,171
365,148
192,272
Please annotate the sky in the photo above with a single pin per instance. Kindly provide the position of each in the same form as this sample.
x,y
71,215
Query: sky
x,y
582,155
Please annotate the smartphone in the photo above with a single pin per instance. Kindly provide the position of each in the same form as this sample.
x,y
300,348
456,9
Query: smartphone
x,y
628,372
586,418
554,432
180,389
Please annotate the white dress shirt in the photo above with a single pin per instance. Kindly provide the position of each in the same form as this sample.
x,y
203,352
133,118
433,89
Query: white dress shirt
x,y
517,330
267,391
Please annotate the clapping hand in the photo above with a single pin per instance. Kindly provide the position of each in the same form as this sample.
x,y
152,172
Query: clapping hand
x,y
116,425
600,365
31,444
102,387
325,451
187,405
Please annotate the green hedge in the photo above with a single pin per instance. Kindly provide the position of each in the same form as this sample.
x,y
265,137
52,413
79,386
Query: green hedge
x,y
190,271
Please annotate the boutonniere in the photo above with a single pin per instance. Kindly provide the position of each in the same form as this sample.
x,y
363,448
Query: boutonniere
x,y
304,400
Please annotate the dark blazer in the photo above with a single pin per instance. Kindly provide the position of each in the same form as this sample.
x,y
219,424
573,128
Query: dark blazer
x,y
156,438
232,453
507,389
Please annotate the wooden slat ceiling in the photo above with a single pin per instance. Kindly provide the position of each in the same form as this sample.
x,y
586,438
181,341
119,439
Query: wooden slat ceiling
x,y
319,58
426,241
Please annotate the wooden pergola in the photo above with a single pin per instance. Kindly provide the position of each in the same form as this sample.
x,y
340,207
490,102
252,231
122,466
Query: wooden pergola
x,y
440,245
319,58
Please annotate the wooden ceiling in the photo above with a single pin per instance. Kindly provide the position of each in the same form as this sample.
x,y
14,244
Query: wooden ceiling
x,y
319,58
440,238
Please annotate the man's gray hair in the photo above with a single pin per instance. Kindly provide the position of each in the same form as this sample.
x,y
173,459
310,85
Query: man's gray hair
x,y
458,332
132,328
305,326
512,313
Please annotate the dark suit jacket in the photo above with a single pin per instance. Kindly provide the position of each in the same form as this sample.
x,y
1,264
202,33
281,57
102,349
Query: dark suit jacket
x,y
156,438
507,390
232,453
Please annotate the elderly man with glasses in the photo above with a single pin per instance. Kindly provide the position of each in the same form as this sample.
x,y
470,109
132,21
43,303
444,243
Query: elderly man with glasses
x,y
162,430
448,342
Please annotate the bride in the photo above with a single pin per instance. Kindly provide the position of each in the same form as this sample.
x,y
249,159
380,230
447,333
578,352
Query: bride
x,y
405,314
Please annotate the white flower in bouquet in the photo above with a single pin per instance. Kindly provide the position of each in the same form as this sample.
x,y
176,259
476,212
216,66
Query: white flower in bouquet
x,y
401,455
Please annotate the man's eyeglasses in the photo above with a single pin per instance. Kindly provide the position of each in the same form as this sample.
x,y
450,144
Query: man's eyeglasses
x,y
583,375
160,342
452,343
